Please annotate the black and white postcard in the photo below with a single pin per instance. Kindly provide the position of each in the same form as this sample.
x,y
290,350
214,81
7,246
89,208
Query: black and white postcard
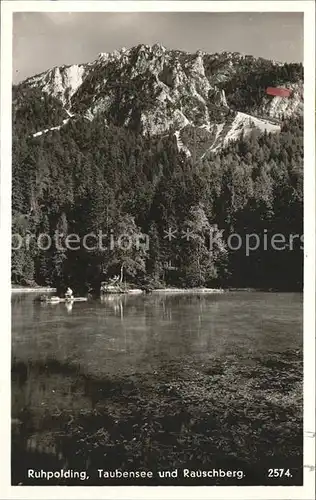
x,y
158,249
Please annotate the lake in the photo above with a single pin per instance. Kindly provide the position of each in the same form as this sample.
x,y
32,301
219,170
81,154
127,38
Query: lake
x,y
135,360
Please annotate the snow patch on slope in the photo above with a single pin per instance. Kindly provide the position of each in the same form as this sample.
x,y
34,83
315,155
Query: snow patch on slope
x,y
244,123
223,99
41,132
180,145
219,128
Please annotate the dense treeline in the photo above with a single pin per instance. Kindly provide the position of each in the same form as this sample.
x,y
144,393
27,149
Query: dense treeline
x,y
89,177
35,110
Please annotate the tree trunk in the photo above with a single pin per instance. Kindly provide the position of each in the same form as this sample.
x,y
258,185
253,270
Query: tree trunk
x,y
122,273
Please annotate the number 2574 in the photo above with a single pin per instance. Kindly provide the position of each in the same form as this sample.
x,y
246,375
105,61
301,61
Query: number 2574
x,y
279,473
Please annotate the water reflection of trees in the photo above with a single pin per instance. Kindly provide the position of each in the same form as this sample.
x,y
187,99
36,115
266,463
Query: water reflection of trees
x,y
120,332
45,398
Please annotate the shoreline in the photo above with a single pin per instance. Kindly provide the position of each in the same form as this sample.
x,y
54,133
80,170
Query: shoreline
x,y
31,290
189,290
136,291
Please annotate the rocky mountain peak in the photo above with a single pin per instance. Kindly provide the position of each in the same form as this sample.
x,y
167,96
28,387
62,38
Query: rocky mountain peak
x,y
154,90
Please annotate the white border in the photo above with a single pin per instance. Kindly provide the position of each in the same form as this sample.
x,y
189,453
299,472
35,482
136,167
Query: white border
x,y
215,492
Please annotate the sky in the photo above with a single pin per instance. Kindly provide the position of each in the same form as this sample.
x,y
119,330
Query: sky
x,y
43,40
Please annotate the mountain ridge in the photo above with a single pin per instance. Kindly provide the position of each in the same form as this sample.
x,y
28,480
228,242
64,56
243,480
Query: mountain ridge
x,y
155,90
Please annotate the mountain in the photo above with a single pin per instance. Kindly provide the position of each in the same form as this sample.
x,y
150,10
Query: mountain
x,y
206,100
148,141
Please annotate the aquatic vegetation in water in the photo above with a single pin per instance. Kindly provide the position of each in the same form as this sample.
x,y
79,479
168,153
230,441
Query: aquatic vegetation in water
x,y
226,412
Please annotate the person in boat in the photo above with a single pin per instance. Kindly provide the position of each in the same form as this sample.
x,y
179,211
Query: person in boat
x,y
69,293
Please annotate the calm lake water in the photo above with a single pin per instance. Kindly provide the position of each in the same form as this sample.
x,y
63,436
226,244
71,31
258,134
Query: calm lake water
x,y
134,333
157,381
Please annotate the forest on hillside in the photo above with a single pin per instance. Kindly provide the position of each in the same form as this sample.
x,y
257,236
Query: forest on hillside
x,y
89,177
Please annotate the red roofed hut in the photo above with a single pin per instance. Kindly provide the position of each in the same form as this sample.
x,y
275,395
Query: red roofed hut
x,y
278,91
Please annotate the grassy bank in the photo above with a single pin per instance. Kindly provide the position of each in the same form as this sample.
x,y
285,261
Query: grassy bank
x,y
231,413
